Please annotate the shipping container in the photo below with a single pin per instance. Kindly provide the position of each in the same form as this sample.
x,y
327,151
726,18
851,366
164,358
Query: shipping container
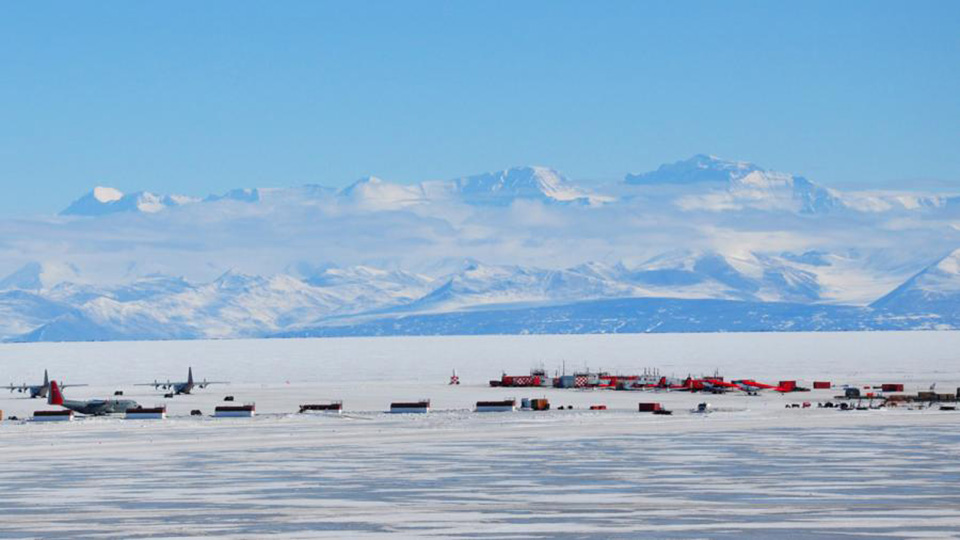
x,y
415,407
821,385
333,408
892,387
52,416
507,405
540,404
649,407
229,411
141,413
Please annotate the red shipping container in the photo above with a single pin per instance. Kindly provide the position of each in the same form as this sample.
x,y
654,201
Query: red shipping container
x,y
788,386
540,404
649,407
821,385
890,387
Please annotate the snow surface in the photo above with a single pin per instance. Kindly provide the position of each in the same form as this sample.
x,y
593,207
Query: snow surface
x,y
753,469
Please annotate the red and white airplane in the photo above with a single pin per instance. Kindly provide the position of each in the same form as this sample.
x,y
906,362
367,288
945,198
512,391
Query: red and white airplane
x,y
750,385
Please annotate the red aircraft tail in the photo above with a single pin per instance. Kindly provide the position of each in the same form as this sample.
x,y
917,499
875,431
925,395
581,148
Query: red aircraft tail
x,y
54,397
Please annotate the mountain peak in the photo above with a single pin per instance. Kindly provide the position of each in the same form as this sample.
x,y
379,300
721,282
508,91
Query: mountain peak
x,y
35,276
106,200
106,194
239,194
98,201
363,181
935,289
525,182
373,193
694,170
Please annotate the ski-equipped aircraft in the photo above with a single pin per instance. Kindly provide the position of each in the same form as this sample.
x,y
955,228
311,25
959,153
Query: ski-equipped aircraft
x,y
721,385
92,407
750,385
36,390
184,387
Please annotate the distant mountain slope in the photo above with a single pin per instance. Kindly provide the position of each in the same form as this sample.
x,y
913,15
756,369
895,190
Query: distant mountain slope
x,y
370,193
711,292
21,312
936,289
714,184
700,183
503,187
104,200
695,170
35,276
262,261
633,315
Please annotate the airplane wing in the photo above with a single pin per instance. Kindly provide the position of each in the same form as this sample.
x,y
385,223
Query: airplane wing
x,y
722,384
757,385
160,384
13,387
62,386
203,384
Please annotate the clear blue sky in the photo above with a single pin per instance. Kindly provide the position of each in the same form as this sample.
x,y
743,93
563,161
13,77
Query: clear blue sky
x,y
199,97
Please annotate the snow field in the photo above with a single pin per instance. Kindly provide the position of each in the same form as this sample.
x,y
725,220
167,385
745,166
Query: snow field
x,y
751,470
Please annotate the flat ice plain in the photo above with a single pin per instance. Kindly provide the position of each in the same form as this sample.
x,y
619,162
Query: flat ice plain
x,y
751,470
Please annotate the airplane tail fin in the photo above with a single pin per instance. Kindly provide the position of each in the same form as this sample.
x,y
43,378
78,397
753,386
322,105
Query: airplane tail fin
x,y
189,375
54,397
46,378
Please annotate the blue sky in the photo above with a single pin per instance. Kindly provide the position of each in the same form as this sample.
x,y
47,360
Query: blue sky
x,y
200,97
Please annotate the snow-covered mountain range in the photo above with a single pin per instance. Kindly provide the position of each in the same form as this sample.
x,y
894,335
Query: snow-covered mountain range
x,y
703,244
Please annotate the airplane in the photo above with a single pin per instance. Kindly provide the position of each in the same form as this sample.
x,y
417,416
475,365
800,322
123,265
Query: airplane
x,y
721,386
182,387
750,385
92,407
36,390
713,385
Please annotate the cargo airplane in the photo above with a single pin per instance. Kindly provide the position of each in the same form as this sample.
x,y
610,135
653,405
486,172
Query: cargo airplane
x,y
36,390
92,407
182,387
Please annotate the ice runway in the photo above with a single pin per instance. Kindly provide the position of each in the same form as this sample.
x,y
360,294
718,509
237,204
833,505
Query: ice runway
x,y
754,470
456,474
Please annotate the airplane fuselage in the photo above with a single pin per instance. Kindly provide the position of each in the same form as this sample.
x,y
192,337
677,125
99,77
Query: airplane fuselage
x,y
99,407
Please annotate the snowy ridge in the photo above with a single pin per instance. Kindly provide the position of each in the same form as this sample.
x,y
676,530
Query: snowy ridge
x,y
698,169
676,291
368,193
935,289
274,261
104,200
700,183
